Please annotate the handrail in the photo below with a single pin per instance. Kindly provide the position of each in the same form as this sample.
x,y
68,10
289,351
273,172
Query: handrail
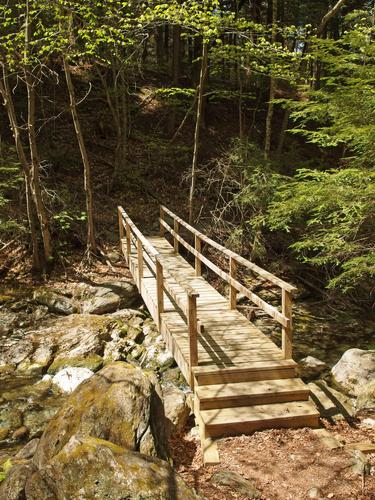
x,y
271,310
230,254
284,317
162,273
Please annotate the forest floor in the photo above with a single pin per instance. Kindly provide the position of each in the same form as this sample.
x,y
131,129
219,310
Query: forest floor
x,y
283,464
279,463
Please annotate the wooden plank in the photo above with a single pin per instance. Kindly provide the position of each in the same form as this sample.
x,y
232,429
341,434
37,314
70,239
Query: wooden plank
x,y
245,419
251,393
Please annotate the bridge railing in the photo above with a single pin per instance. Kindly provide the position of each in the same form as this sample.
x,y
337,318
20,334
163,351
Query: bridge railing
x,y
283,317
147,254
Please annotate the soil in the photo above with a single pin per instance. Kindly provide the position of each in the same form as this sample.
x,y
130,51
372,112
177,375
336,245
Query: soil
x,y
281,464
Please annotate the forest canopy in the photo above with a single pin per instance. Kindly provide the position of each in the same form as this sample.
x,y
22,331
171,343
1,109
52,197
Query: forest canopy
x,y
254,118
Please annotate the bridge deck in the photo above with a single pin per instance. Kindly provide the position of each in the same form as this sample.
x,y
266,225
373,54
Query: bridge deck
x,y
242,381
228,339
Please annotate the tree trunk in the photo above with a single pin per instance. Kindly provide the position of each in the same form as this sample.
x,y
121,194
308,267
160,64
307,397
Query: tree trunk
x,y
91,242
35,163
198,124
267,144
30,205
284,126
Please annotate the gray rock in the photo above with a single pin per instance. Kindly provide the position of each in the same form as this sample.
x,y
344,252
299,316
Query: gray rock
x,y
354,370
13,488
120,403
89,468
310,368
177,408
315,493
28,450
110,297
55,302
236,483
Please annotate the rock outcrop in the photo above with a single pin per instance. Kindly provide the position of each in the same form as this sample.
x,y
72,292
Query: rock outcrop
x,y
355,369
92,468
121,404
110,297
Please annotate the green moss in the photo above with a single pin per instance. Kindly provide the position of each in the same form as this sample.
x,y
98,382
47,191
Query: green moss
x,y
5,468
93,362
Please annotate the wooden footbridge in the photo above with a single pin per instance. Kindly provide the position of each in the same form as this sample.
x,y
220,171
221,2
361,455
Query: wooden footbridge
x,y
242,381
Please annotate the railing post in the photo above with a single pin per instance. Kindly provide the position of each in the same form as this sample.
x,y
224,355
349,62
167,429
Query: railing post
x,y
232,290
176,227
159,290
140,263
120,225
287,332
193,333
198,248
128,242
162,217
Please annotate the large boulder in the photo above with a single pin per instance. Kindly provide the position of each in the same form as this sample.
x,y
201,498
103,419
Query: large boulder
x,y
355,369
120,403
91,468
110,297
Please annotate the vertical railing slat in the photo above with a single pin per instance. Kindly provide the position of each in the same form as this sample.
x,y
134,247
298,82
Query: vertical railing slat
x,y
193,333
287,332
159,291
128,242
162,217
198,263
140,263
176,227
232,289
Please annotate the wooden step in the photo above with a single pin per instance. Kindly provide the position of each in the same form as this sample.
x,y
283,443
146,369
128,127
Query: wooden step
x,y
250,393
257,370
247,419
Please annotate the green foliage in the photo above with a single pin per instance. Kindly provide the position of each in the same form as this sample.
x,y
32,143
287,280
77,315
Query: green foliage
x,y
5,468
244,184
65,219
330,215
342,111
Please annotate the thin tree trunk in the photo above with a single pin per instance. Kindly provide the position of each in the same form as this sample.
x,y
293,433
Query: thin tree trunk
x,y
91,241
35,163
267,143
198,125
284,126
30,205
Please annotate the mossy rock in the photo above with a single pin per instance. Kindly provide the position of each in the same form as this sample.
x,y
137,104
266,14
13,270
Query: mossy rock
x,y
120,403
93,468
93,362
